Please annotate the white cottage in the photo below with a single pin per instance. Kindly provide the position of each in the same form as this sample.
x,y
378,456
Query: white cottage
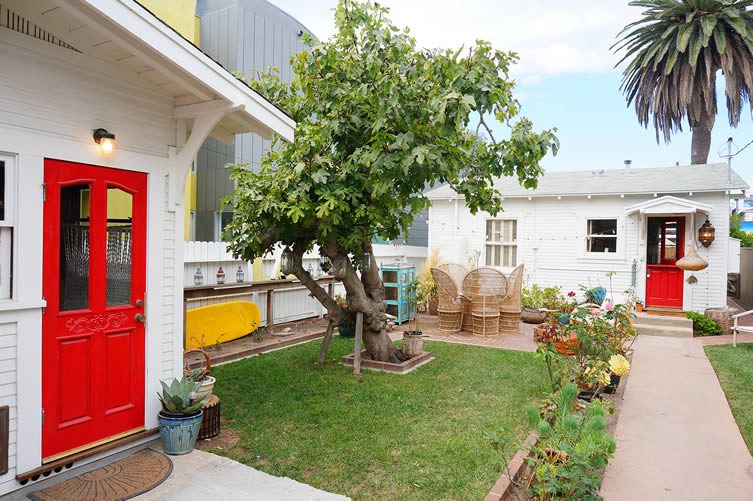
x,y
102,110
576,227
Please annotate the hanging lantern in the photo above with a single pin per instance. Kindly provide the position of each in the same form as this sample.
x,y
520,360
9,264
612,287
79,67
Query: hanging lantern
x,y
239,275
366,262
220,276
198,278
340,264
706,233
325,264
692,261
286,261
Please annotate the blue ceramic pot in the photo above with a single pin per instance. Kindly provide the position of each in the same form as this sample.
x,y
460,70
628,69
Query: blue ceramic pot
x,y
179,433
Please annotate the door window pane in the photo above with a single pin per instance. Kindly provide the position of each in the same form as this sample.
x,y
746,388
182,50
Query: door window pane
x,y
670,241
119,246
74,247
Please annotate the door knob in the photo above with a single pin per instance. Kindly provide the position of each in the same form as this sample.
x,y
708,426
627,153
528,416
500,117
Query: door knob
x,y
648,275
139,318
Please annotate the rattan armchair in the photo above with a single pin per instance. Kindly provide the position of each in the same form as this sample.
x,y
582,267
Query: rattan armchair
x,y
510,305
450,308
456,271
484,287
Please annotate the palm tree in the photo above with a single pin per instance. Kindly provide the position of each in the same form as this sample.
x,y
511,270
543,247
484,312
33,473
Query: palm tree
x,y
675,51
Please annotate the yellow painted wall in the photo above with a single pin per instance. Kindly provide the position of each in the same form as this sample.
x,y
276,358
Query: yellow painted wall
x,y
181,16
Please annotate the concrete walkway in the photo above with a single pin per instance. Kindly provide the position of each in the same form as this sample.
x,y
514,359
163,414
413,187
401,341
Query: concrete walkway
x,y
676,437
201,476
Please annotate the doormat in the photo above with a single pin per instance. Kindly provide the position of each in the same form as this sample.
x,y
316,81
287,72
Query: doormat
x,y
124,479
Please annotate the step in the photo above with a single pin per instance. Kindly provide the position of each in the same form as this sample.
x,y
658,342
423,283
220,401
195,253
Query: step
x,y
663,320
663,330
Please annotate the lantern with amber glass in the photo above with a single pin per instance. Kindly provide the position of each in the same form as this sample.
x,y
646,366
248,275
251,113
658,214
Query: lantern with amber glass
x,y
706,233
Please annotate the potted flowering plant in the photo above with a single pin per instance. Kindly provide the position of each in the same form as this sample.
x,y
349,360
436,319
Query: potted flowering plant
x,y
618,367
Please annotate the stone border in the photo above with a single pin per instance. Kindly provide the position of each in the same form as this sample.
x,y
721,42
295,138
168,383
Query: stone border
x,y
401,368
503,488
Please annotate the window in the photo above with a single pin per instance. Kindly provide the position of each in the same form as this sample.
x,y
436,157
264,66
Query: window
x,y
222,220
502,243
602,235
7,221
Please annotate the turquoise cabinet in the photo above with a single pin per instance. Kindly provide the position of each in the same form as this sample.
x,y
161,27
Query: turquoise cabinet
x,y
397,277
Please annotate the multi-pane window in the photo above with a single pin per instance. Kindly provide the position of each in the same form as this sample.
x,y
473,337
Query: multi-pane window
x,y
6,226
223,219
601,235
502,243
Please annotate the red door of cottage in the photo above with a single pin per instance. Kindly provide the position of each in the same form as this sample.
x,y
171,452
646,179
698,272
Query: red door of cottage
x,y
92,328
665,244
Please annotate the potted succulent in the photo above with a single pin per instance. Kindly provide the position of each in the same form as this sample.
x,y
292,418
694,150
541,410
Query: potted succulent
x,y
180,418
200,374
413,339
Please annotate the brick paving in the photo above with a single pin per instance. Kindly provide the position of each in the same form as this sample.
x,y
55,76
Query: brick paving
x,y
743,337
429,326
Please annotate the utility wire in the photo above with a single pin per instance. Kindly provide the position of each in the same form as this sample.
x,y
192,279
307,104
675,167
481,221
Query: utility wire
x,y
727,155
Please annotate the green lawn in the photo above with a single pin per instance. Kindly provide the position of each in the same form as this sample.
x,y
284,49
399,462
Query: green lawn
x,y
734,366
383,436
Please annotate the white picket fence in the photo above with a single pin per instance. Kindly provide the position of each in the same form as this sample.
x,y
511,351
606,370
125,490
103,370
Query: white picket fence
x,y
289,304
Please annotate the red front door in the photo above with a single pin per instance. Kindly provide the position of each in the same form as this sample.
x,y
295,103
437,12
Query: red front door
x,y
94,282
665,244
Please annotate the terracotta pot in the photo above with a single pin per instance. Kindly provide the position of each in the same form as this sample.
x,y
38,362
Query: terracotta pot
x,y
639,307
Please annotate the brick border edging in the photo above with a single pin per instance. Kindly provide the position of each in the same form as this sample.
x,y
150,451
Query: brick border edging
x,y
503,487
282,343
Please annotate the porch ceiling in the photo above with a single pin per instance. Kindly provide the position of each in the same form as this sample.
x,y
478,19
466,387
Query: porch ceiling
x,y
668,205
126,35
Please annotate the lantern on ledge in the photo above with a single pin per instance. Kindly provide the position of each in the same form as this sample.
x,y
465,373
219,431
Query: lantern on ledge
x,y
706,233
220,276
198,278
286,261
239,275
324,264
340,264
366,262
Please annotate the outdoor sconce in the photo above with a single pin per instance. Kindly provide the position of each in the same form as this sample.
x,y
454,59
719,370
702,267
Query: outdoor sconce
x,y
239,275
105,140
366,262
706,233
220,276
286,261
198,278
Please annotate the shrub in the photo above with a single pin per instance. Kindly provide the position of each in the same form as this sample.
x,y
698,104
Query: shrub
x,y
703,325
535,296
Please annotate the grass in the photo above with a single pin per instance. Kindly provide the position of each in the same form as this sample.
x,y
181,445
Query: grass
x,y
380,436
734,368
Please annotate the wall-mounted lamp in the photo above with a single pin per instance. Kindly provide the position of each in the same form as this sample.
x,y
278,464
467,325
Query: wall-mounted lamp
x,y
105,140
706,233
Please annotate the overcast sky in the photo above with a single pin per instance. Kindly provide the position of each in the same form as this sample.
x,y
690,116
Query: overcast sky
x,y
565,77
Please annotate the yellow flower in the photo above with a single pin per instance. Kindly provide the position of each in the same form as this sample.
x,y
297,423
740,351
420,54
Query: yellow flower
x,y
619,365
604,379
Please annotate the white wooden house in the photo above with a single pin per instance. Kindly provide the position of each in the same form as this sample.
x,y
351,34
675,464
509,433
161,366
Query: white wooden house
x,y
578,226
91,235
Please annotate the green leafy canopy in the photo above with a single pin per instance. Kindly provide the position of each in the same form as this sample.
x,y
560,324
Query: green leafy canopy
x,y
379,120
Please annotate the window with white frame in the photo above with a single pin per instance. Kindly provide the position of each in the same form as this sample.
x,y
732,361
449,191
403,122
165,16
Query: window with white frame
x,y
222,219
7,220
601,235
502,243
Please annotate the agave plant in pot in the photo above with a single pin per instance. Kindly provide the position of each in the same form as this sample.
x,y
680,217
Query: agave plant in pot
x,y
180,418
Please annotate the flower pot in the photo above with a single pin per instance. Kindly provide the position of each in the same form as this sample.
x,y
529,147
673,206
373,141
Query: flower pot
x,y
413,343
433,305
586,395
614,382
639,307
179,432
566,346
533,315
205,390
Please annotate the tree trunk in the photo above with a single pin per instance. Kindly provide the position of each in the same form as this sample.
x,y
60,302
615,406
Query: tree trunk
x,y
701,141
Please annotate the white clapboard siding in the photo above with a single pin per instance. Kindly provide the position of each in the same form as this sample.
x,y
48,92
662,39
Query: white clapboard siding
x,y
8,394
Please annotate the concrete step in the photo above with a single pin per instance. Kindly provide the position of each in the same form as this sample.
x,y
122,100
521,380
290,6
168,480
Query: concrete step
x,y
663,330
663,320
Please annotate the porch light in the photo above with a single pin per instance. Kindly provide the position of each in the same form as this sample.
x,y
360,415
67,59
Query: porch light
x,y
286,261
105,140
706,233
240,277
198,278
220,276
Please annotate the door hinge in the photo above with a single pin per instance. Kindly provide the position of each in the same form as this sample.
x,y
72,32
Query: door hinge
x,y
44,308
42,417
44,192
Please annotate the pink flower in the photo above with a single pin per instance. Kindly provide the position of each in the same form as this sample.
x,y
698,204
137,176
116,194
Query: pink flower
x,y
609,306
597,313
571,294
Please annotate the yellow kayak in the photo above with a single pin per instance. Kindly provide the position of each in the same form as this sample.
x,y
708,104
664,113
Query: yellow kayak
x,y
220,323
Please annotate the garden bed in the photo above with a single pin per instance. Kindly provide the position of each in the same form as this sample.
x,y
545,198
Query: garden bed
x,y
377,436
402,368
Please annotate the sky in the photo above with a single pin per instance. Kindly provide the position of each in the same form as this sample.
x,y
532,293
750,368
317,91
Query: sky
x,y
565,78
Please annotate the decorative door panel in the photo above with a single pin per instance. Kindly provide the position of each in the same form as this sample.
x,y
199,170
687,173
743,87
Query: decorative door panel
x,y
92,328
665,246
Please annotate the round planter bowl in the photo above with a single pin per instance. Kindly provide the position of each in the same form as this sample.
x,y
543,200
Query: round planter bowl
x,y
533,315
413,344
179,433
205,390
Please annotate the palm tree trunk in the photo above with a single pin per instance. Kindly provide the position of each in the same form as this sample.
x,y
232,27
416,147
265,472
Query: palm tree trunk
x,y
701,141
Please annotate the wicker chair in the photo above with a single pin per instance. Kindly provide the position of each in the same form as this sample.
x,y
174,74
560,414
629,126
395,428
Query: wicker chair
x,y
456,271
484,287
510,305
450,304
